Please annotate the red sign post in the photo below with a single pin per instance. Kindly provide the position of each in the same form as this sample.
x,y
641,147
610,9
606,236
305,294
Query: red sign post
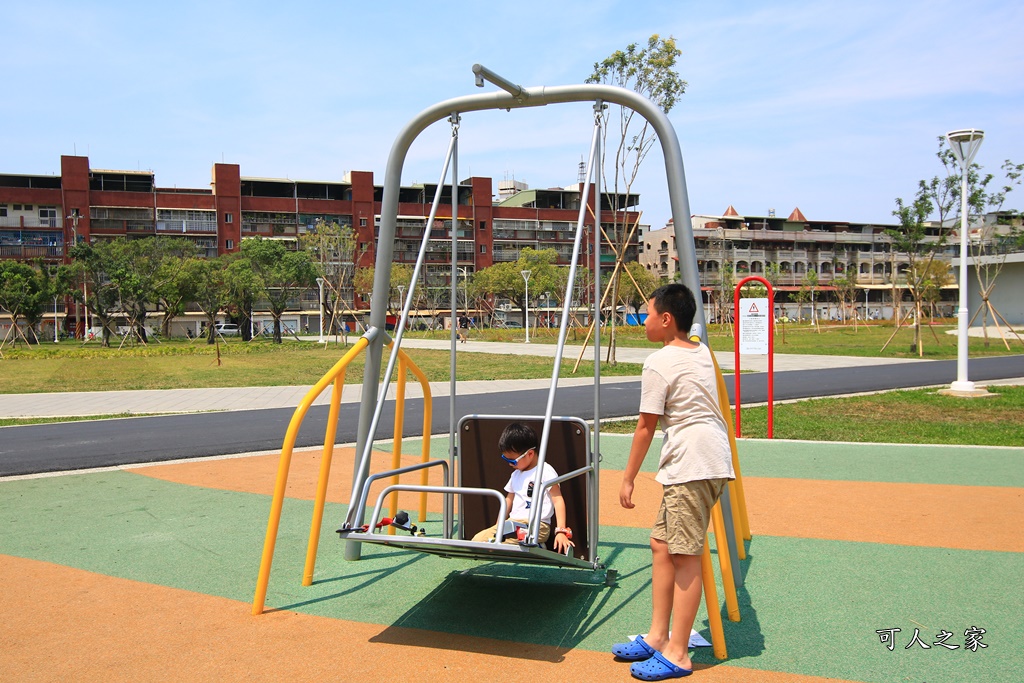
x,y
771,347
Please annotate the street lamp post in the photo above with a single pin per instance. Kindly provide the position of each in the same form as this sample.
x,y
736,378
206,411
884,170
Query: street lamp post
x,y
964,144
526,301
320,301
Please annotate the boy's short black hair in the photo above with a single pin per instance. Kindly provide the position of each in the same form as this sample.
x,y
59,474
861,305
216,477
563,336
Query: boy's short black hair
x,y
517,438
676,299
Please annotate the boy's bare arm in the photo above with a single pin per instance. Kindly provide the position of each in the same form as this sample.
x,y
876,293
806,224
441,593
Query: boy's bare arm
x,y
646,426
561,541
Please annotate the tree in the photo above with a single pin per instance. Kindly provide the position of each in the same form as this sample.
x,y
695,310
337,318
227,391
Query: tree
x,y
398,285
400,276
506,280
808,289
991,241
40,300
210,290
243,285
90,265
938,275
282,274
332,247
846,290
560,284
172,289
912,239
21,290
642,284
649,71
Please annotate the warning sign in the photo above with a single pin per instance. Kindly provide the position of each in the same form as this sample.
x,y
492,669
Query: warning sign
x,y
754,326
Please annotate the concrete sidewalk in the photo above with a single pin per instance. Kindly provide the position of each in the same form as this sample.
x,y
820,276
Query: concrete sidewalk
x,y
254,398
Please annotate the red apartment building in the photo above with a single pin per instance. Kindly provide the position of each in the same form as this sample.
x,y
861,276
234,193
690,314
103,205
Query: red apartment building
x,y
41,215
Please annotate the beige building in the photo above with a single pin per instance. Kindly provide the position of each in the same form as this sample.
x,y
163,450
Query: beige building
x,y
749,244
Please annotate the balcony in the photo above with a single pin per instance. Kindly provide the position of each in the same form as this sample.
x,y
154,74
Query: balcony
x,y
28,251
29,222
184,226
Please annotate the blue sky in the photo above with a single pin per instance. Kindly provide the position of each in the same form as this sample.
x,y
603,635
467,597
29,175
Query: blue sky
x,y
834,107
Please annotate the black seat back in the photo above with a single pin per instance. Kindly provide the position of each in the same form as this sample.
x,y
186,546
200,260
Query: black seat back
x,y
480,465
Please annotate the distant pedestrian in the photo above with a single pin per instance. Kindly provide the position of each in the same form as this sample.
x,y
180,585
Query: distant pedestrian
x,y
463,328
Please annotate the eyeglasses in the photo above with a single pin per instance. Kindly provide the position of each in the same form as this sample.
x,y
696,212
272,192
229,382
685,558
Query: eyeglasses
x,y
515,462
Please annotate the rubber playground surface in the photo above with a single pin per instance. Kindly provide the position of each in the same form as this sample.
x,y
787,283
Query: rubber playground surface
x,y
148,573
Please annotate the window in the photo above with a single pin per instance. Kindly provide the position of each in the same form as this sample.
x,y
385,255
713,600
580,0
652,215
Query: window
x,y
17,207
483,248
229,218
3,209
483,225
362,222
28,207
229,244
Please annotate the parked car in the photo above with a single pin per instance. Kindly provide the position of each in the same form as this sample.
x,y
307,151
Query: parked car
x,y
227,329
513,325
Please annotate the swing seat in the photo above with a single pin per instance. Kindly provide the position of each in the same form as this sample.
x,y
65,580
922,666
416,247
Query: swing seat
x,y
479,466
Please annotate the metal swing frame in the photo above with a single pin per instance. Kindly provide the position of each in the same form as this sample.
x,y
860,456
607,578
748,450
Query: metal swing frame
x,y
373,394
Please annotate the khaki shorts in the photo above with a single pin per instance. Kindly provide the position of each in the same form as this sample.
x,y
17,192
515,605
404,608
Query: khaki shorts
x,y
685,511
489,533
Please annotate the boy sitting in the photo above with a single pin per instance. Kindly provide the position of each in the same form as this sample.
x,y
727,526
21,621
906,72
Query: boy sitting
x,y
518,445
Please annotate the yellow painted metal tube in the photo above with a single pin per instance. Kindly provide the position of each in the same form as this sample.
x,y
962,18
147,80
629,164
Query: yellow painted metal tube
x,y
707,572
396,449
739,500
274,521
737,525
321,483
725,563
428,407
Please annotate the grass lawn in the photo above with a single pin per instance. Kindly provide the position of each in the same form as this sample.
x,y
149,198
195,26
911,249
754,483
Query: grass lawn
x,y
830,339
178,364
918,416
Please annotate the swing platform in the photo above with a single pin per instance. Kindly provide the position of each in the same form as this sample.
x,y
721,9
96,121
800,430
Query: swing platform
x,y
568,452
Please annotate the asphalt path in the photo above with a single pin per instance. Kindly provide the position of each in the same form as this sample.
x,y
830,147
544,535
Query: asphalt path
x,y
102,443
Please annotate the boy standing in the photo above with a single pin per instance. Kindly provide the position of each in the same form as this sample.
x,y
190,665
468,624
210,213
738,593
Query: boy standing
x,y
680,388
518,445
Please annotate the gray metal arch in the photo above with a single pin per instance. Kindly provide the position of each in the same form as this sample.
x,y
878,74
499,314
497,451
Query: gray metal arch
x,y
514,97
528,97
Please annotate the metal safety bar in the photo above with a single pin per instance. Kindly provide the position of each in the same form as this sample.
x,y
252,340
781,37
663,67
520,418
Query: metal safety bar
x,y
365,492
446,491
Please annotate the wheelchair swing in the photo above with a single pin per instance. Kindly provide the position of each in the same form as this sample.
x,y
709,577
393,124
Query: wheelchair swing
x,y
567,443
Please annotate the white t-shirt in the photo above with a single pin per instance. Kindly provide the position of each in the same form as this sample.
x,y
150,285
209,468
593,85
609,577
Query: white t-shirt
x,y
521,484
681,386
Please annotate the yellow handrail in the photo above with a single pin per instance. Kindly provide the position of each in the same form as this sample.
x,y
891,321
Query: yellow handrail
x,y
428,408
337,375
273,523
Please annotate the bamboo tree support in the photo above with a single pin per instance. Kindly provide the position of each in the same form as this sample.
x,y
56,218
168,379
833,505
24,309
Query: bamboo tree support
x,y
896,307
619,263
997,317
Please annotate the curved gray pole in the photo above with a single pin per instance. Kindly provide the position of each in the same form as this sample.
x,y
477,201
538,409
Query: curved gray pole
x,y
527,97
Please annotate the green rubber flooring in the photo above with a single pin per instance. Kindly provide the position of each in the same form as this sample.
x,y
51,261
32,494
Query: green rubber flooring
x,y
808,606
